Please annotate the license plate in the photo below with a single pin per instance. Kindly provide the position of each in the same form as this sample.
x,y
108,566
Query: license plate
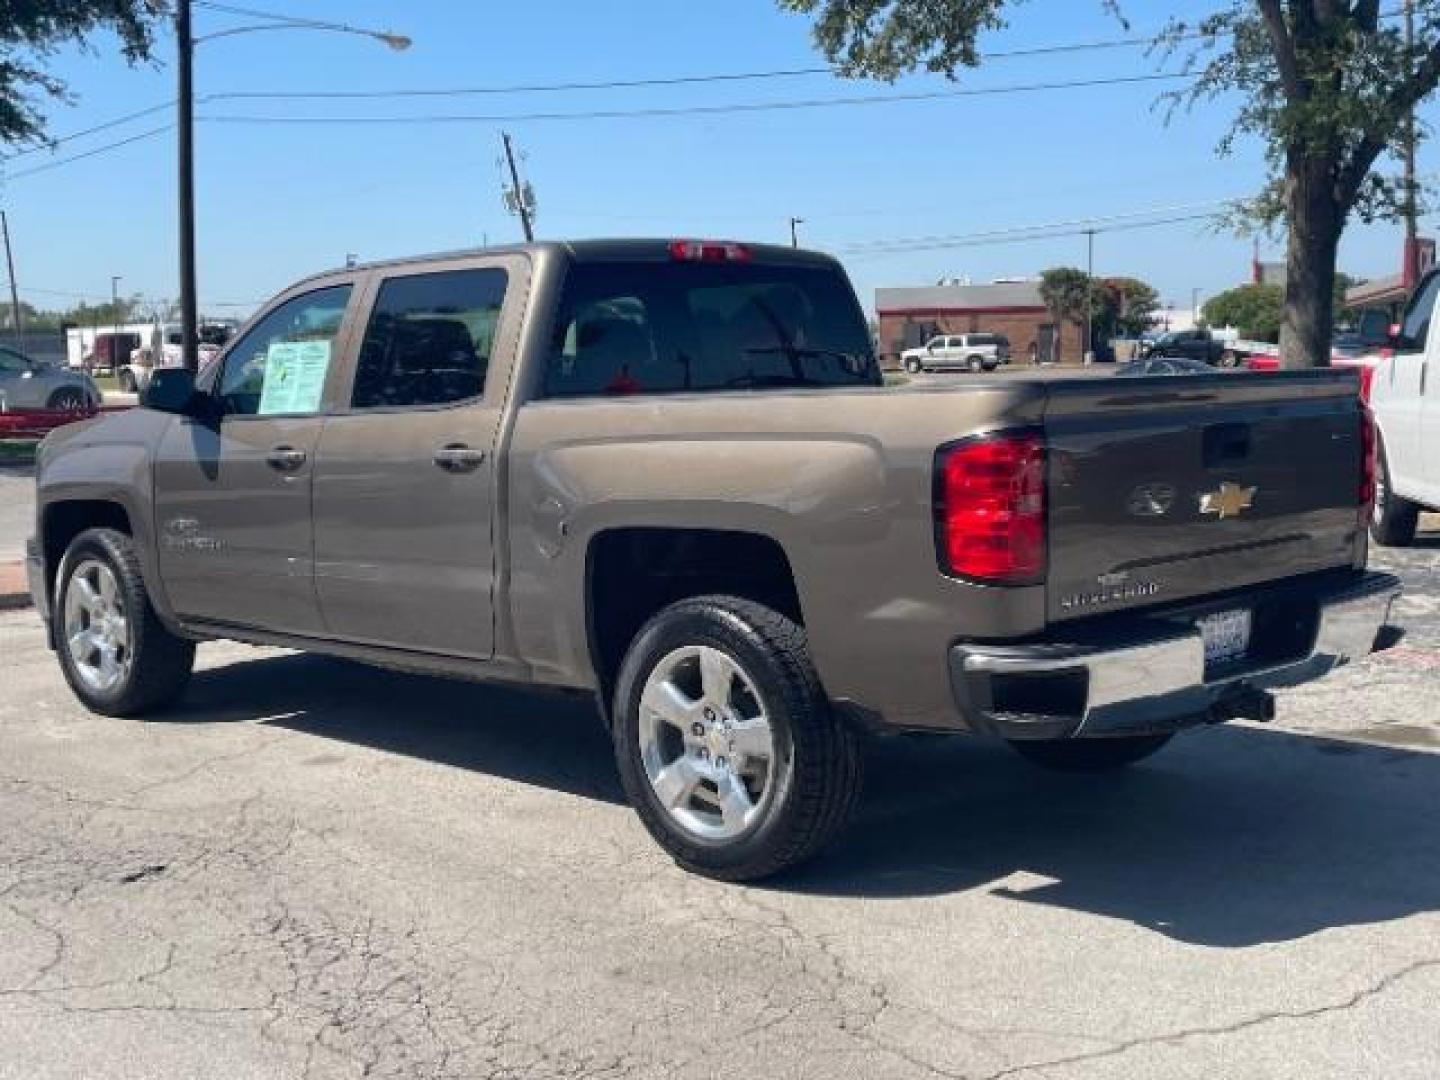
x,y
1226,635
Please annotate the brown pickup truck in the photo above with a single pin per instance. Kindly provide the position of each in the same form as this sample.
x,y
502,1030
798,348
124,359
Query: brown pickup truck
x,y
669,474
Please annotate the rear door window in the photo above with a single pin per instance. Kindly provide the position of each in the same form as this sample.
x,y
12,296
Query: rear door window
x,y
429,339
648,328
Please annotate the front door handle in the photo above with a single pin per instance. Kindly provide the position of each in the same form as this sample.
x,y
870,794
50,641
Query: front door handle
x,y
285,458
459,458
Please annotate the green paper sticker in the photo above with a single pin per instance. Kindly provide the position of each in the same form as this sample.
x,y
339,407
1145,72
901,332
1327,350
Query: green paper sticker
x,y
294,377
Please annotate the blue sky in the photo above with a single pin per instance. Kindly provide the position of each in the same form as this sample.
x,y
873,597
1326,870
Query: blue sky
x,y
280,201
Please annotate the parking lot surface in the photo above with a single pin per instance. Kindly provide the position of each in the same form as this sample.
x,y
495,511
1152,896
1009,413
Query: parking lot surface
x,y
315,869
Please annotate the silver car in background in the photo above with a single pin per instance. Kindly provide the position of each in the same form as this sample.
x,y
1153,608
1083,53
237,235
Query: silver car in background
x,y
30,384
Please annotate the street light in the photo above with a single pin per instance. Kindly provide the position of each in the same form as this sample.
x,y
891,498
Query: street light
x,y
795,236
115,280
185,44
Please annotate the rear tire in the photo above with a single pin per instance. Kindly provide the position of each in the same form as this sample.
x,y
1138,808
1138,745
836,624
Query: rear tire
x,y
1090,755
725,743
1394,519
67,399
115,653
976,364
1229,359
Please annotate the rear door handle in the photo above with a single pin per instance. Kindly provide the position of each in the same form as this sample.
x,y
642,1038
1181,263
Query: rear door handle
x,y
459,458
285,458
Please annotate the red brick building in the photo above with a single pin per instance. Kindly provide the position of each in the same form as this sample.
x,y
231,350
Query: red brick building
x,y
910,317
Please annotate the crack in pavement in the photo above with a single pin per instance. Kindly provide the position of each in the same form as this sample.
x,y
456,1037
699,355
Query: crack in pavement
x,y
1360,997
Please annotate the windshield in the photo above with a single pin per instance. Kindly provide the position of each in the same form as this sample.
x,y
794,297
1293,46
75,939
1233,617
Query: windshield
x,y
634,328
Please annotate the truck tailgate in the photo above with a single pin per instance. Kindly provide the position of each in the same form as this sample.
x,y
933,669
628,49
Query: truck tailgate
x,y
1162,489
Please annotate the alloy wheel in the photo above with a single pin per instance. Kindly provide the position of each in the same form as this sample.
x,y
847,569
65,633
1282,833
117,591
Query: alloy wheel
x,y
97,628
706,743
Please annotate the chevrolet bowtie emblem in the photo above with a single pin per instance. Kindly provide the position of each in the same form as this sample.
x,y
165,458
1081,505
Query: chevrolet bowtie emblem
x,y
1228,501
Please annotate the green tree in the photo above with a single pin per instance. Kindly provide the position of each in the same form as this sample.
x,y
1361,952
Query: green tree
x,y
1128,307
1255,310
1069,294
1326,85
32,30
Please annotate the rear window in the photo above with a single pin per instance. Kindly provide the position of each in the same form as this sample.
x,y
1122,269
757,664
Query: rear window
x,y
652,328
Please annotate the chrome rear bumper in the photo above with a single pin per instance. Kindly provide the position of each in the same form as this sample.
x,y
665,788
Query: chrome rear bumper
x,y
1155,677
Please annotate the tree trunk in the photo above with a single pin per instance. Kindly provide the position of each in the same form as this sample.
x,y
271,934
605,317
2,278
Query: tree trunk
x,y
1315,224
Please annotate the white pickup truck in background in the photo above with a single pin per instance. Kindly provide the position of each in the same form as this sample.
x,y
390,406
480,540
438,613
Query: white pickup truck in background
x,y
1405,398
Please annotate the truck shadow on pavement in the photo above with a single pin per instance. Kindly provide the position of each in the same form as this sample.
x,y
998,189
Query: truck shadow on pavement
x,y
1229,837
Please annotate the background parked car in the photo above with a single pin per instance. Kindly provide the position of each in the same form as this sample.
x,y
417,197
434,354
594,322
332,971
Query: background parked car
x,y
27,384
1165,365
959,352
1197,344
110,351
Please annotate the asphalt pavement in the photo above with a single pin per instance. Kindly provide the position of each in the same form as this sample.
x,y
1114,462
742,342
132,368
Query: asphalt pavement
x,y
17,509
314,869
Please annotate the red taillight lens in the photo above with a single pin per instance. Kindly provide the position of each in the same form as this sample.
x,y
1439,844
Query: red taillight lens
x,y
990,508
1367,380
1368,463
708,251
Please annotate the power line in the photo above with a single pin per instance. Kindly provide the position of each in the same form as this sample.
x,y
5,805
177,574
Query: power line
x,y
1081,223
105,149
698,110
118,121
1023,236
659,81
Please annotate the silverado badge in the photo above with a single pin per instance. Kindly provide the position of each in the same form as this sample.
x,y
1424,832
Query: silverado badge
x,y
1229,501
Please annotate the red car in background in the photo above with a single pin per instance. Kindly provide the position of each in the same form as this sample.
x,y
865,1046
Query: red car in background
x,y
1347,351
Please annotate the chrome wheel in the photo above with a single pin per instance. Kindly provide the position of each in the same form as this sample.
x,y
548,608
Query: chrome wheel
x,y
97,628
706,743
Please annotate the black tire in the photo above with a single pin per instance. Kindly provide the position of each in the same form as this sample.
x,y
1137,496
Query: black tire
x,y
1394,519
68,399
913,366
817,762
1090,755
159,663
1229,359
975,363
127,382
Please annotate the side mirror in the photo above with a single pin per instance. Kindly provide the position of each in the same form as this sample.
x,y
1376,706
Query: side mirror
x,y
172,390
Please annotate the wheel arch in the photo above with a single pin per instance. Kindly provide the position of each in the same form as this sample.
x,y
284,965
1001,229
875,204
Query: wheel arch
x,y
632,572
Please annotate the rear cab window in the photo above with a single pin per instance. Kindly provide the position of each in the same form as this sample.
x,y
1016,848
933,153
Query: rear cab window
x,y
632,327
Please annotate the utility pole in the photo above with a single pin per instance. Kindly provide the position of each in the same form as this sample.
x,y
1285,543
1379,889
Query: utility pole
x,y
1410,271
794,236
16,319
1089,295
520,197
185,122
114,312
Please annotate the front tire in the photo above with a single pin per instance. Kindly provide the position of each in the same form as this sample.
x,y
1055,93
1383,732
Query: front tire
x,y
1394,519
725,743
1090,755
115,653
912,366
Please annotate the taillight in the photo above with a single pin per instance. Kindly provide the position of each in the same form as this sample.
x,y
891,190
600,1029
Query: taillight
x,y
1367,380
1368,454
708,251
990,508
